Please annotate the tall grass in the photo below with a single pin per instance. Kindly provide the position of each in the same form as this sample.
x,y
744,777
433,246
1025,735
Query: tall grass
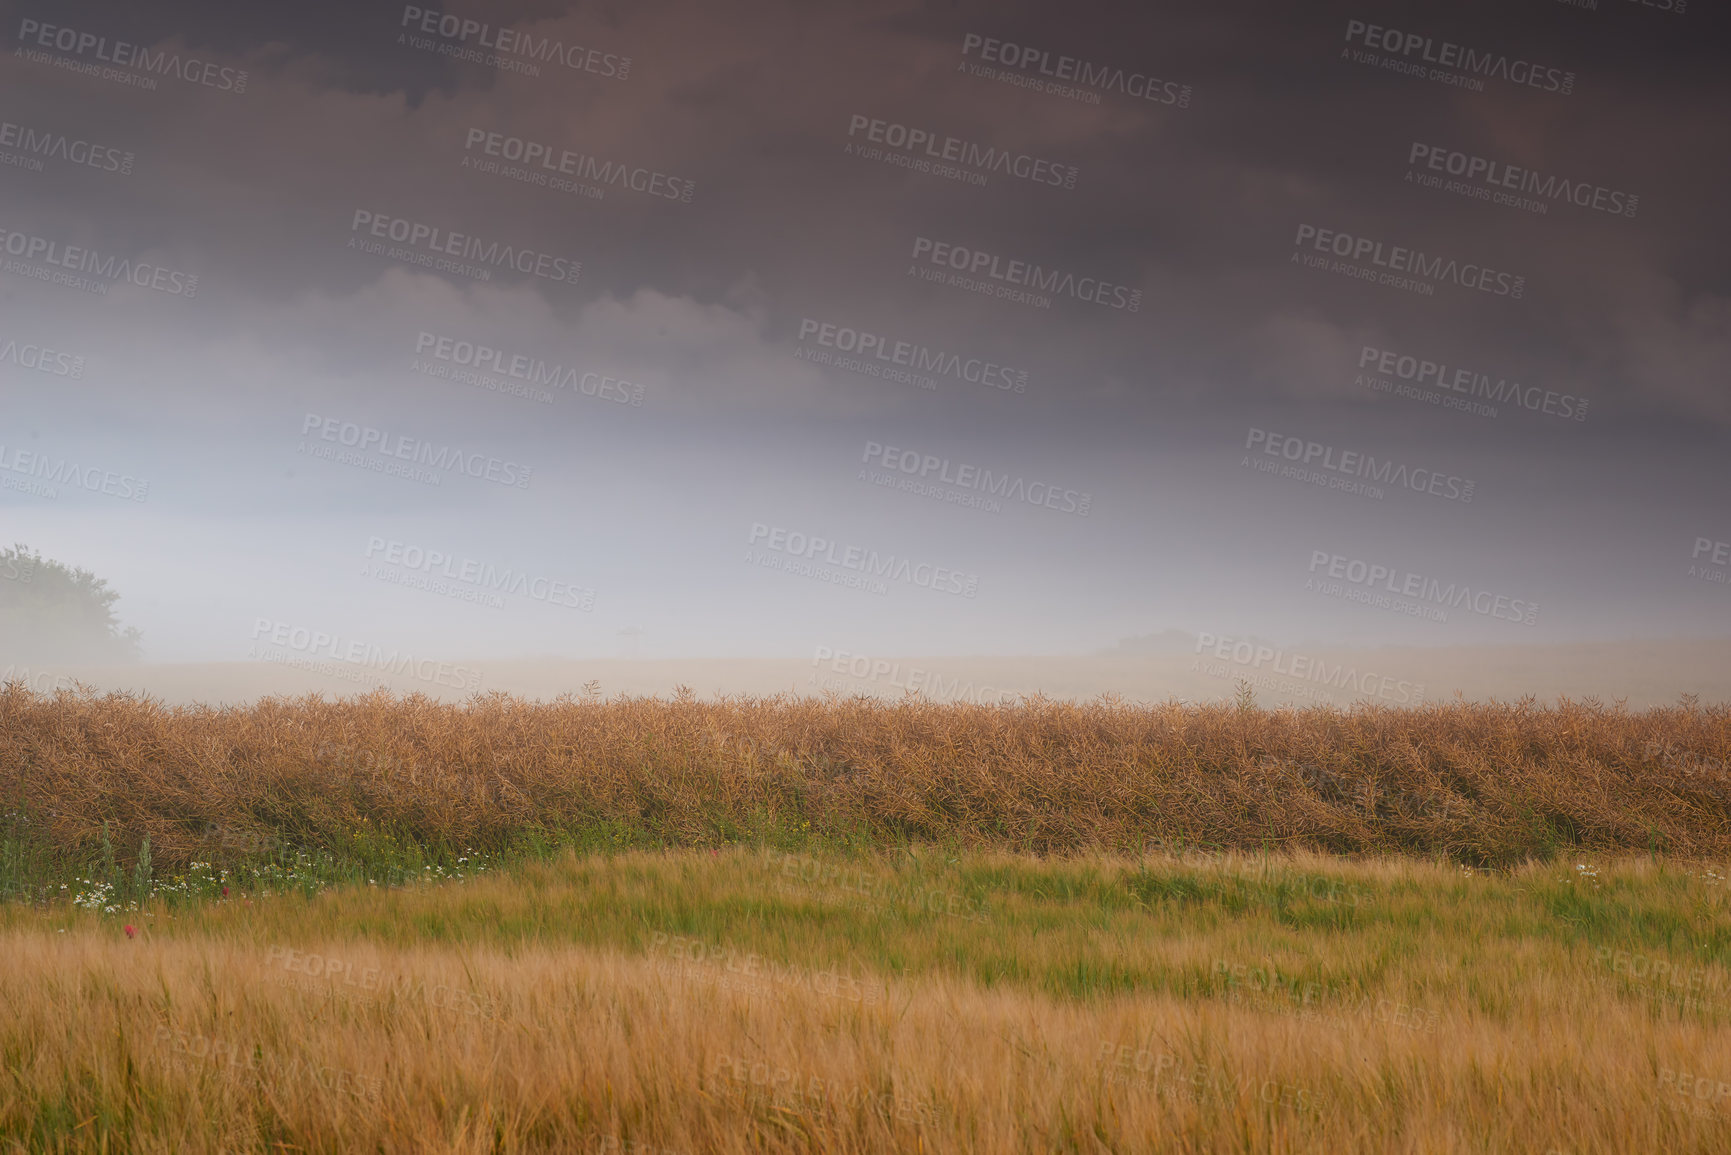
x,y
383,779
675,1002
1093,928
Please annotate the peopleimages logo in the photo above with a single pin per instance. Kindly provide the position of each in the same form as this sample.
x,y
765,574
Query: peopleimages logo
x,y
1446,54
45,472
914,679
1351,463
868,564
543,164
925,148
1455,595
84,268
314,644
38,145
365,438
59,38
406,563
1422,371
1307,669
436,242
931,469
1498,182
41,681
524,46
1718,551
910,355
466,354
1101,77
1396,259
40,358
1024,275
1718,554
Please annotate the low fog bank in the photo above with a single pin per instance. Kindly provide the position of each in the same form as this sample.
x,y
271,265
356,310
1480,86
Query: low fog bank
x,y
1186,668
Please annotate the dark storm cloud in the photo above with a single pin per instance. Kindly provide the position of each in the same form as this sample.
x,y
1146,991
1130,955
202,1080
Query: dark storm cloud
x,y
1198,206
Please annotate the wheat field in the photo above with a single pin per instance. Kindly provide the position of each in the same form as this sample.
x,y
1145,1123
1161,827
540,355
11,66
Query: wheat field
x,y
681,926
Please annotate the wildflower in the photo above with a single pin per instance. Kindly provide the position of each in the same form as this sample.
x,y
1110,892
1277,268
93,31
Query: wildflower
x,y
225,892
131,931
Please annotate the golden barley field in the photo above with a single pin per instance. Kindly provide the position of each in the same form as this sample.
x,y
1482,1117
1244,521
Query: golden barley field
x,y
681,926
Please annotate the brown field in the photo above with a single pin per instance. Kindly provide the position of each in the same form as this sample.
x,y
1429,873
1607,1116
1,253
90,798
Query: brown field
x,y
1484,784
685,1002
784,925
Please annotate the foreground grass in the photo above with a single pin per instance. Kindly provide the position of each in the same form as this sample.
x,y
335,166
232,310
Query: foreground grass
x,y
929,1000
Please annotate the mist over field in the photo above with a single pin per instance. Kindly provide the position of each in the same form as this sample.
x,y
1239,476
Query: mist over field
x,y
1361,352
659,578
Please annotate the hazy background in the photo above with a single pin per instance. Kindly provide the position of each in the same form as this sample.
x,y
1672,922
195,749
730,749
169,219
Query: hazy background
x,y
647,510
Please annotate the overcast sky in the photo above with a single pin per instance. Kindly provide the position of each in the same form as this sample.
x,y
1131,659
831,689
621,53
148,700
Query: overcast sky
x,y
1235,210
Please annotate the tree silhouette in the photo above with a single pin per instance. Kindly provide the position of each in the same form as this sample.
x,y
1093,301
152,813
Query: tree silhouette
x,y
53,613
